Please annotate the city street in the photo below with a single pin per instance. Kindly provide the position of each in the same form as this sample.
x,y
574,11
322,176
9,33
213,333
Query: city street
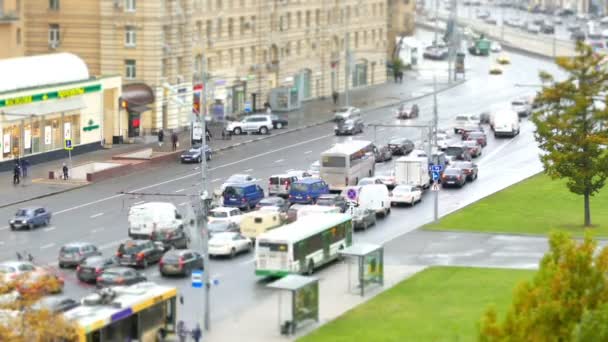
x,y
98,213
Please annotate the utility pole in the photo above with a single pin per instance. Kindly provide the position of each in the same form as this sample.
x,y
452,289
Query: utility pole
x,y
435,128
347,69
202,234
452,34
436,21
502,24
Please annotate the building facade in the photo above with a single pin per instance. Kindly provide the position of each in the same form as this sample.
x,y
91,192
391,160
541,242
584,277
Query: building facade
x,y
401,21
11,29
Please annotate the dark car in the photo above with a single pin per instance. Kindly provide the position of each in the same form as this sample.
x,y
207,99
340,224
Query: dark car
x,y
349,126
474,147
171,238
480,137
180,262
547,29
278,122
119,276
382,153
221,226
90,268
30,218
274,201
484,118
333,200
73,253
56,304
401,146
468,130
195,154
469,168
457,152
139,253
363,218
453,176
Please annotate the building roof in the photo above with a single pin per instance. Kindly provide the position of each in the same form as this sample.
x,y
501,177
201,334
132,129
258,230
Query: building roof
x,y
42,70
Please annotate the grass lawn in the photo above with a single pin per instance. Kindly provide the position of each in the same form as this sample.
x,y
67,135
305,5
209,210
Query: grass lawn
x,y
437,304
536,205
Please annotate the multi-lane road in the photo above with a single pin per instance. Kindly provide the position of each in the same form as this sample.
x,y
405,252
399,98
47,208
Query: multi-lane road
x,y
98,213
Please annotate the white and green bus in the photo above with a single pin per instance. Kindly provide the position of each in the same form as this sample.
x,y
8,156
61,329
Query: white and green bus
x,y
303,245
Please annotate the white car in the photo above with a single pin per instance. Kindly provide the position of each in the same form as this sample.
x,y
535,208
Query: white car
x,y
229,244
495,47
521,106
442,141
387,178
464,121
345,113
10,270
315,169
233,215
370,180
299,173
406,194
251,124
238,178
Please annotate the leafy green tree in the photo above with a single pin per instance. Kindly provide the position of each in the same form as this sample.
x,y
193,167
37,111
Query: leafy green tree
x,y
572,125
593,326
571,280
397,67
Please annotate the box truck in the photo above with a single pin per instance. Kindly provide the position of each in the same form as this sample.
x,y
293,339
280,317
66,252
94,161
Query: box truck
x,y
413,171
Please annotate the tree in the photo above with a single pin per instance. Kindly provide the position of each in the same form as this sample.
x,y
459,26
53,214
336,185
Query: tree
x,y
397,68
571,125
570,282
593,326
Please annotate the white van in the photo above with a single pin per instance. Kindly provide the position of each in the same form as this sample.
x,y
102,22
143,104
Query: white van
x,y
413,171
505,123
279,185
153,216
372,196
316,210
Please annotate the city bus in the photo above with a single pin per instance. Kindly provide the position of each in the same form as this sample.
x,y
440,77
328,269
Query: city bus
x,y
345,163
125,313
302,246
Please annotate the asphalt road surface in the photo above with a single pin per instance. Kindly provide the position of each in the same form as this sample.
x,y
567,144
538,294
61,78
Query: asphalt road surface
x,y
98,213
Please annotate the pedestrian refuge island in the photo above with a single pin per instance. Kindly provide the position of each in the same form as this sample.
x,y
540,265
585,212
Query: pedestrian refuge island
x,y
369,260
298,302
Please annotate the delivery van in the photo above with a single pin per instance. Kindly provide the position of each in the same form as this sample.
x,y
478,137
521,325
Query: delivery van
x,y
372,196
413,171
255,223
159,221
505,123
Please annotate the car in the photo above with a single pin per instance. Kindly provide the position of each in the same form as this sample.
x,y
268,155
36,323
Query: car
x,y
382,153
307,190
229,244
387,177
195,154
503,60
532,28
495,47
484,117
490,21
170,238
402,112
244,196
181,262
406,194
442,141
315,169
521,106
119,276
465,121
474,148
139,253
91,267
345,113
578,35
547,28
435,53
453,176
495,69
469,168
300,174
349,126
40,283
257,123
362,218
483,14
457,152
30,218
11,270
478,136
237,179
56,304
401,146
229,214
369,180
278,122
574,27
215,227
73,253
333,200
274,201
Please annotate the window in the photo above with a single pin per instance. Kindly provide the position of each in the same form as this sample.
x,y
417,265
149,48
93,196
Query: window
x,y
299,48
318,17
253,24
307,18
18,37
130,36
130,5
242,56
209,28
218,5
54,34
180,33
130,69
231,57
242,25
219,27
180,66
199,30
288,21
254,57
299,19
54,5
230,27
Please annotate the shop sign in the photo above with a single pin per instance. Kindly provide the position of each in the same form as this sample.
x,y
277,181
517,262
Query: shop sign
x,y
52,95
27,139
47,135
91,126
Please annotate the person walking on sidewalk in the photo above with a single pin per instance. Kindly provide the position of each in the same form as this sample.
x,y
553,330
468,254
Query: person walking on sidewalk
x,y
161,137
24,167
182,331
335,96
197,333
65,171
16,174
174,141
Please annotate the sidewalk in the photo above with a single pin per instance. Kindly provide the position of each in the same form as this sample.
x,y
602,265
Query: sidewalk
x,y
314,112
261,323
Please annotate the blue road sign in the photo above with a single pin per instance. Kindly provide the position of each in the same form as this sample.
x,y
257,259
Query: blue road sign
x,y
435,175
351,194
436,168
197,279
67,145
248,107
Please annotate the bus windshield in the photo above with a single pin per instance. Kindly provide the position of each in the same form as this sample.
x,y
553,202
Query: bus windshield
x,y
329,161
274,247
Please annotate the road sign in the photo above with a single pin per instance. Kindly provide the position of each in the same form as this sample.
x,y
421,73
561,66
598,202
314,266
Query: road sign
x,y
67,145
436,168
435,187
197,279
435,175
351,194
248,107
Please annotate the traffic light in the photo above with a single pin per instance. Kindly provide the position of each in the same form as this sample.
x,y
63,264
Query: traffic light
x,y
122,103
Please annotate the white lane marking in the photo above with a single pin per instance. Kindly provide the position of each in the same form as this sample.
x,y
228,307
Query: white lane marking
x,y
497,150
4,228
246,262
97,230
96,215
248,170
180,190
215,180
183,204
49,229
140,202
308,152
380,129
48,245
279,161
194,174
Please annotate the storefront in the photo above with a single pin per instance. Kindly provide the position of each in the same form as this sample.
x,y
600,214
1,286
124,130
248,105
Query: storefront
x,y
136,98
47,99
238,92
360,74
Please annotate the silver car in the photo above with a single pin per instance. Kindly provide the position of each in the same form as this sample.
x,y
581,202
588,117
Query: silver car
x,y
73,253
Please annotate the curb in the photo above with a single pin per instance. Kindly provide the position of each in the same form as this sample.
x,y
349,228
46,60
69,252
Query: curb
x,y
44,195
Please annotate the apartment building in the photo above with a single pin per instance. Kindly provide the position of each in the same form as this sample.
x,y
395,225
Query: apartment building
x,y
11,29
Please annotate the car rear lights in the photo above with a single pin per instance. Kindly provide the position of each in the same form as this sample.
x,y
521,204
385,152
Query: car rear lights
x,y
78,268
181,262
98,270
140,256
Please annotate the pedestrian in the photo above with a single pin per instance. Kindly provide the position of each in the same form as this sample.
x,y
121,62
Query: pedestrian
x,y
400,76
174,141
161,137
65,171
197,333
267,108
16,174
24,167
182,331
335,96
208,134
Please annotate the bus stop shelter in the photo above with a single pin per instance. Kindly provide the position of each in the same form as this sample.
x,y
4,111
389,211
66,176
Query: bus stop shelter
x,y
301,305
369,259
